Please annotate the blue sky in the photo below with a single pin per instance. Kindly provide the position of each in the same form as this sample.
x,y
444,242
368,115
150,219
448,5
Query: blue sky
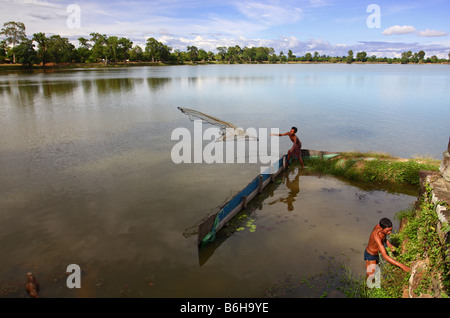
x,y
329,27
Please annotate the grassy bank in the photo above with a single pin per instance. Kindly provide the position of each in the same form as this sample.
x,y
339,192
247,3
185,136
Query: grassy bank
x,y
373,168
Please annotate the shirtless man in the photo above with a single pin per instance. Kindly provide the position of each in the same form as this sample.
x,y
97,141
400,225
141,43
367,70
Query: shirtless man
x,y
296,149
377,242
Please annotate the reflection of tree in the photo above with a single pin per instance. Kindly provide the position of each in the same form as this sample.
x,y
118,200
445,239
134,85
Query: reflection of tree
x,y
27,93
155,83
50,88
294,187
118,85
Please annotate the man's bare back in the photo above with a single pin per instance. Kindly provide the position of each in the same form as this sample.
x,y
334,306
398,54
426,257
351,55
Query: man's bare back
x,y
372,246
377,243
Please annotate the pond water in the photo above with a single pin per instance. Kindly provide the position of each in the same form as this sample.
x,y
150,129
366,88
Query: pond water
x,y
86,175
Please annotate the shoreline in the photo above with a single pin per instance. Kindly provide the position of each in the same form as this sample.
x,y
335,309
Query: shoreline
x,y
100,65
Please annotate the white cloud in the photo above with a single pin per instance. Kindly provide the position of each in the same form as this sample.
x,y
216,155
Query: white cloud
x,y
431,33
34,3
271,14
397,29
318,3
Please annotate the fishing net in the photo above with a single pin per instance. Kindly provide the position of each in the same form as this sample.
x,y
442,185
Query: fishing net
x,y
194,114
229,131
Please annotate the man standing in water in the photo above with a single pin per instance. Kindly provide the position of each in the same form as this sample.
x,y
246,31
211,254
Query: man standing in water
x,y
377,243
296,149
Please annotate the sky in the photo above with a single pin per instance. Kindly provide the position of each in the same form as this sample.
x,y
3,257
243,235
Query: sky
x,y
384,28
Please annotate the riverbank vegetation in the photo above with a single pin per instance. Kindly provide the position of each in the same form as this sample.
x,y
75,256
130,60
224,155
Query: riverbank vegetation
x,y
418,243
375,168
41,51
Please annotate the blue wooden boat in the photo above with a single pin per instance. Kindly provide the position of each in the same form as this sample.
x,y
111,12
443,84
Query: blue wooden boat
x,y
213,223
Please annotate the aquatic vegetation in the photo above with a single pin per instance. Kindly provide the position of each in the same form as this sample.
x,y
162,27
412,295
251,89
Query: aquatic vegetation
x,y
249,223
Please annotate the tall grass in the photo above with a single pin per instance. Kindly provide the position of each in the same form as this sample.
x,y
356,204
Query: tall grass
x,y
380,169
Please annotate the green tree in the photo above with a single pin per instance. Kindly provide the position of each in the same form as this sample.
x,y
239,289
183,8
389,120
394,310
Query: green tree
x,y
179,56
262,54
421,56
349,58
210,56
221,53
117,48
291,56
99,51
125,45
233,54
308,57
42,41
273,58
192,52
14,33
361,56
25,53
405,57
202,55
157,51
316,57
152,48
59,49
84,50
248,54
2,51
112,45
136,53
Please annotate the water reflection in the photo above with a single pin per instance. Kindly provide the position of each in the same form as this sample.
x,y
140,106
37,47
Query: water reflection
x,y
155,83
50,89
27,93
294,188
206,252
116,85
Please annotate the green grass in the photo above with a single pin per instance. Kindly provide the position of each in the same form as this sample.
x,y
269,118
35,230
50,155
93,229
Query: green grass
x,y
374,168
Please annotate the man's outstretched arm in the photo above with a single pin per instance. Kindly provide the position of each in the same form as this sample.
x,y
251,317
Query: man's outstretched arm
x,y
387,257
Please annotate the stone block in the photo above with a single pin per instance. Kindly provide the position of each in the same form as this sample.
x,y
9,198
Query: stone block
x,y
444,169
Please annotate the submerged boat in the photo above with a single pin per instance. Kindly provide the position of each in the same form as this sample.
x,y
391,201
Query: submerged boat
x,y
208,228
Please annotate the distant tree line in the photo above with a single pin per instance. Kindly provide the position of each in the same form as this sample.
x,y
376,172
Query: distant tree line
x,y
16,47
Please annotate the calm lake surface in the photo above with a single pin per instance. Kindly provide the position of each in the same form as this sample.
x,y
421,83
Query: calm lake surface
x,y
86,175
